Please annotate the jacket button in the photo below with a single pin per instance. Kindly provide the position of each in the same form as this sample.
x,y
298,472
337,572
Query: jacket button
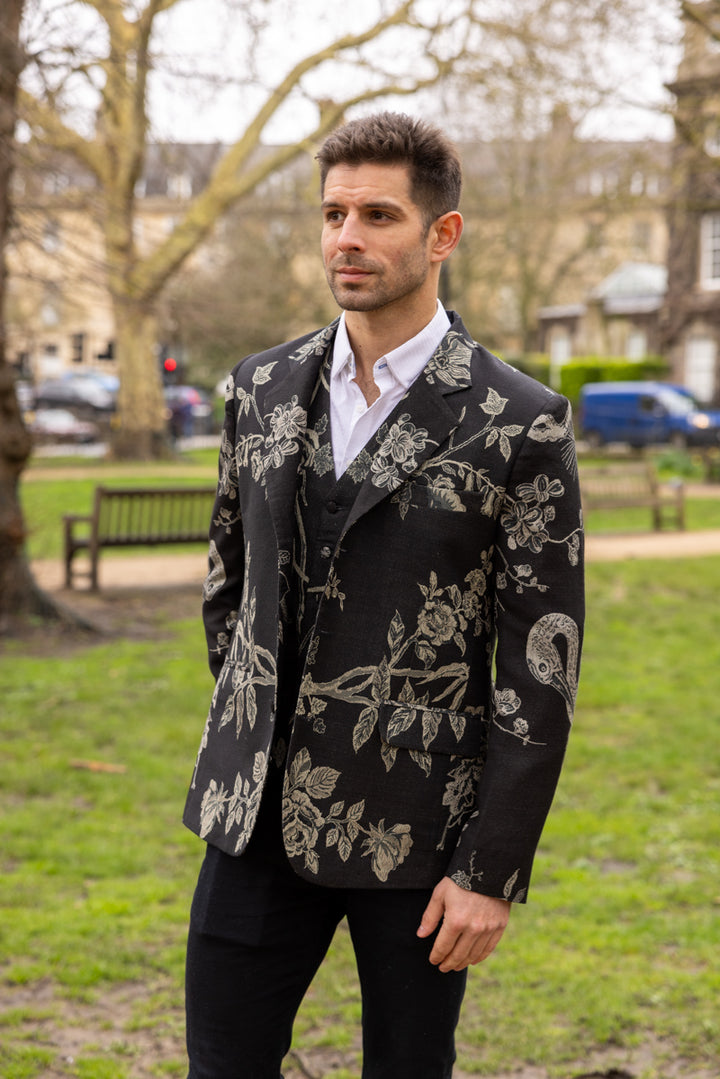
x,y
332,507
325,552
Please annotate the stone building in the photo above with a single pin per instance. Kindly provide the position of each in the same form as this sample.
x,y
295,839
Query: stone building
x,y
690,318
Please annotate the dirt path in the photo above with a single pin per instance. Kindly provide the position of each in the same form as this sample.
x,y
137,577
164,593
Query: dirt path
x,y
162,570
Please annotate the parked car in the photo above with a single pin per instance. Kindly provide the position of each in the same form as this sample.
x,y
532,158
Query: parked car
x,y
60,425
79,393
25,395
190,411
643,413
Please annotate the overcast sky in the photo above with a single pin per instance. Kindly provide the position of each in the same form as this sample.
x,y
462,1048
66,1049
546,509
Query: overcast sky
x,y
209,36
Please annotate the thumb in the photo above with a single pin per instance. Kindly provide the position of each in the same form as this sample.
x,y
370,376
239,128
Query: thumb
x,y
431,916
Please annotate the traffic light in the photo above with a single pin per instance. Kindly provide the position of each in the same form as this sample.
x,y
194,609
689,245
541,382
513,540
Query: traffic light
x,y
170,365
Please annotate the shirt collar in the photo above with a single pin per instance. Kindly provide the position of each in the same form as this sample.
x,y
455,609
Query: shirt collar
x,y
406,361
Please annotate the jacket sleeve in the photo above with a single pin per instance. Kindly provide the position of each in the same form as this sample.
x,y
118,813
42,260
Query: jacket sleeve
x,y
539,614
222,590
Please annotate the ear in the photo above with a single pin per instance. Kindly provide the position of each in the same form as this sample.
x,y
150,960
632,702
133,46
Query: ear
x,y
445,233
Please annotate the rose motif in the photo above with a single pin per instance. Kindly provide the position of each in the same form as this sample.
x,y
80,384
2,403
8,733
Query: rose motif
x,y
301,823
438,622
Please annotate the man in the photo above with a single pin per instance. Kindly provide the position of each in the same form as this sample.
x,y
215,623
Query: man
x,y
397,514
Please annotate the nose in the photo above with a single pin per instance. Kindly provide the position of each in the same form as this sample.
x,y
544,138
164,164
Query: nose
x,y
350,236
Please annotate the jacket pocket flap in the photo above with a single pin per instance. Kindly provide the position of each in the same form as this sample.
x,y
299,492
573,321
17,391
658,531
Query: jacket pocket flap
x,y
432,730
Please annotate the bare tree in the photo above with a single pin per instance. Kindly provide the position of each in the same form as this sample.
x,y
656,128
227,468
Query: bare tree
x,y
17,589
114,152
402,48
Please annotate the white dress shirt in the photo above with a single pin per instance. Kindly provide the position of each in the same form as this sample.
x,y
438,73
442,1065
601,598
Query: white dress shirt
x,y
352,420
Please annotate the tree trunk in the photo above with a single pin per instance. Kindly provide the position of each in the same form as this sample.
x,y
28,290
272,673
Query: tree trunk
x,y
20,596
142,429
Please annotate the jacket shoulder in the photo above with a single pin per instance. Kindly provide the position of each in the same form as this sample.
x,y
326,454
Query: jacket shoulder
x,y
296,351
521,389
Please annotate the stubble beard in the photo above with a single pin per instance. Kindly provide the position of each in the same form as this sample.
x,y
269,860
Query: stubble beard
x,y
377,292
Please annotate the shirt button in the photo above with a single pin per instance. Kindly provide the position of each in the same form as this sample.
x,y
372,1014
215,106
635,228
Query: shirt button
x,y
332,507
325,552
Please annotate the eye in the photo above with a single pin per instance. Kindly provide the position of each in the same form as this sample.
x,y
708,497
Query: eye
x,y
332,217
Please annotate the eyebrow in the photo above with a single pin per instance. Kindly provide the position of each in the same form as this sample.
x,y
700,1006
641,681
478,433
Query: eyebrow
x,y
373,204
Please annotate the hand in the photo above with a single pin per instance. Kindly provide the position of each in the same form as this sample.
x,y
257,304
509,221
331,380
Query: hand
x,y
472,925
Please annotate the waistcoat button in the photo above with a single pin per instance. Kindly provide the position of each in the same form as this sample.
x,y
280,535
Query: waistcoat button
x,y
326,551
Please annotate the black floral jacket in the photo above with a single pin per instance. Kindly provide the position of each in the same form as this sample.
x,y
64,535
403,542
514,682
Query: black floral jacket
x,y
438,689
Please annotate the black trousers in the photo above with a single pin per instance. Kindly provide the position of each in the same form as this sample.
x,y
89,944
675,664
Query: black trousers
x,y
258,933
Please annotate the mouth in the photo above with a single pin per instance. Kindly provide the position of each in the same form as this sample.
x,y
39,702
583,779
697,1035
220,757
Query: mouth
x,y
351,274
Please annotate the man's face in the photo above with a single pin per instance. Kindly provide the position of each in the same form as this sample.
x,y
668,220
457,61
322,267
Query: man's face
x,y
375,246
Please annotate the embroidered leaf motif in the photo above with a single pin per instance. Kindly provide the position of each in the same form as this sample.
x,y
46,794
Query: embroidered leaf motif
x,y
344,847
495,404
321,782
401,720
458,724
300,768
425,653
396,632
430,726
510,884
423,760
212,807
261,375
388,754
364,727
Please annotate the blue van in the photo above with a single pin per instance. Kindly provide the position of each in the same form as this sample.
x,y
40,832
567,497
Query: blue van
x,y
643,413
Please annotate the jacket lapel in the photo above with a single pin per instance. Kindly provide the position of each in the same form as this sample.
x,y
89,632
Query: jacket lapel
x,y
422,421
285,411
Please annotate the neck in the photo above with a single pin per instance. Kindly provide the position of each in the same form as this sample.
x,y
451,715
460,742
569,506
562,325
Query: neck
x,y
373,334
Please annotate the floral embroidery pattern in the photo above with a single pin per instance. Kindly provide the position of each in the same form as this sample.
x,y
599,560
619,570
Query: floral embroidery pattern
x,y
441,622
239,808
397,447
409,708
303,822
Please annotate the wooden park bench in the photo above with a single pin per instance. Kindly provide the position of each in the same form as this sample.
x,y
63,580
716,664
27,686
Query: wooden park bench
x,y
627,484
135,517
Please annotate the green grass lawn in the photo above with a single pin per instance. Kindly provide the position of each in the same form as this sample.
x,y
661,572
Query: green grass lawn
x,y
51,488
617,945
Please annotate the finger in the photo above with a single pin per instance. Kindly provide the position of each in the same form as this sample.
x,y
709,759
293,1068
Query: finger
x,y
431,917
485,947
446,944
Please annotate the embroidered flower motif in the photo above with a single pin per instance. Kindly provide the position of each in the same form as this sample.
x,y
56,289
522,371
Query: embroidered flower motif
x,y
525,525
387,848
438,622
397,451
286,421
301,823
451,362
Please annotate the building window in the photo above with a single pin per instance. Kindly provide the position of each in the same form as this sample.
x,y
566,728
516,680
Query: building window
x,y
642,237
636,344
712,140
637,183
700,364
109,353
179,185
710,251
77,347
51,236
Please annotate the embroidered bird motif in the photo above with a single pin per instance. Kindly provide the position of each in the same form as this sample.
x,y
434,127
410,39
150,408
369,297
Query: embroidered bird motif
x,y
544,658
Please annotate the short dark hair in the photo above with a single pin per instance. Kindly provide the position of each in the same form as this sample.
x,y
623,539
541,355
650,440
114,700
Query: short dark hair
x,y
393,138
